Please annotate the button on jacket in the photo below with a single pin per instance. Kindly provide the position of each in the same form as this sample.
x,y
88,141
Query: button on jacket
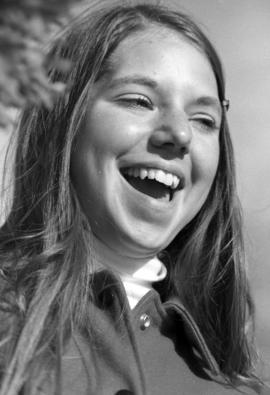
x,y
155,349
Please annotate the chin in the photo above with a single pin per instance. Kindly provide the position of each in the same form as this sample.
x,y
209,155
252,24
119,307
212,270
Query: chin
x,y
145,246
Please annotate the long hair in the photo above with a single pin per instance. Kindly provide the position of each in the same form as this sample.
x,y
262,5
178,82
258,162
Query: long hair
x,y
45,242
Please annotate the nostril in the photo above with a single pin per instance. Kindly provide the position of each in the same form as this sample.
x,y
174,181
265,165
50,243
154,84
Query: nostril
x,y
169,145
184,149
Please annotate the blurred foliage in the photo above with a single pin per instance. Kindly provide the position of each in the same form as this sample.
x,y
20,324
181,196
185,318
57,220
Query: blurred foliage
x,y
25,26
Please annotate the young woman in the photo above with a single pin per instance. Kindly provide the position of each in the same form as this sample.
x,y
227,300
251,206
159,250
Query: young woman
x,y
122,266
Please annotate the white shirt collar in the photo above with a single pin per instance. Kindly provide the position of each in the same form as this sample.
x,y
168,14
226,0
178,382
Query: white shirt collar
x,y
136,283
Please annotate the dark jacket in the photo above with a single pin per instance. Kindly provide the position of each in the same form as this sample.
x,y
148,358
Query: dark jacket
x,y
155,349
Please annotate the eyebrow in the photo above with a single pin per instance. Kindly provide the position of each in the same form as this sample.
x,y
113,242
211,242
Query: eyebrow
x,y
135,79
209,101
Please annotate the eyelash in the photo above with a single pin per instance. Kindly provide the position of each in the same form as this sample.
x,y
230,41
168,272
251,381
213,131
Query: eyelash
x,y
137,101
141,101
206,124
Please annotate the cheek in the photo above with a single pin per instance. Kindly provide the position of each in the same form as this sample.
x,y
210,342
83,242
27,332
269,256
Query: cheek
x,y
110,132
215,158
211,164
205,163
96,135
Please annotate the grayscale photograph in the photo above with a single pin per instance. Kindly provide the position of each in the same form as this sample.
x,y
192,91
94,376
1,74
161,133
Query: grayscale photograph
x,y
134,197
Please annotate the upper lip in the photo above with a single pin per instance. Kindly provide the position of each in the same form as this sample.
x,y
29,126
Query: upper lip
x,y
165,166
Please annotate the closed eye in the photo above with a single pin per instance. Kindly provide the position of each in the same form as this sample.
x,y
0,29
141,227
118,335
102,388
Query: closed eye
x,y
205,123
136,101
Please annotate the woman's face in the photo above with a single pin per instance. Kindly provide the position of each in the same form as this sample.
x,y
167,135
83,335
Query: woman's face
x,y
147,154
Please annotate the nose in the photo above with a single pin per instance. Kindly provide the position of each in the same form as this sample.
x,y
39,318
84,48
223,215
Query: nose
x,y
173,133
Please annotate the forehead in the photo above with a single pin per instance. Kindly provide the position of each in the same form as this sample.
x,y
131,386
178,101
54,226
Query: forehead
x,y
163,54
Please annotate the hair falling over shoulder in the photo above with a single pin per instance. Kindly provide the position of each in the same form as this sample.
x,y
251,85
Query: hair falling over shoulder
x,y
45,242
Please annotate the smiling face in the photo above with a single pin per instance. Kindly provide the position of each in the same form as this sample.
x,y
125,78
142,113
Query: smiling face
x,y
147,154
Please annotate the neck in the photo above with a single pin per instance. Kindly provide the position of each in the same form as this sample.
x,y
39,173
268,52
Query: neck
x,y
106,257
137,275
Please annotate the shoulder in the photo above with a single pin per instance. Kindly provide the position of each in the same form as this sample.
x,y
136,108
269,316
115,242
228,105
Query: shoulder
x,y
207,374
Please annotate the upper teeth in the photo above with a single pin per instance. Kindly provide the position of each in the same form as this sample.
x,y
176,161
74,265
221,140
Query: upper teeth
x,y
161,176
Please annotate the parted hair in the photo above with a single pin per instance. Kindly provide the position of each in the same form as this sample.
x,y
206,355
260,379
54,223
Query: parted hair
x,y
44,295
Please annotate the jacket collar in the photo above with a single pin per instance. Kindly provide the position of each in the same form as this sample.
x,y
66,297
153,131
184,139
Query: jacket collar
x,y
110,294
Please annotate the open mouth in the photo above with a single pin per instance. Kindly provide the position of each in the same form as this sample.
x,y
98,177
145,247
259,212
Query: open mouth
x,y
152,182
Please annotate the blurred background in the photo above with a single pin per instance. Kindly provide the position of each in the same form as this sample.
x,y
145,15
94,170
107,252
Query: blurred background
x,y
240,30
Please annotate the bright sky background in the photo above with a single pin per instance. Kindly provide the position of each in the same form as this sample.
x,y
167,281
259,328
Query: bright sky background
x,y
240,30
